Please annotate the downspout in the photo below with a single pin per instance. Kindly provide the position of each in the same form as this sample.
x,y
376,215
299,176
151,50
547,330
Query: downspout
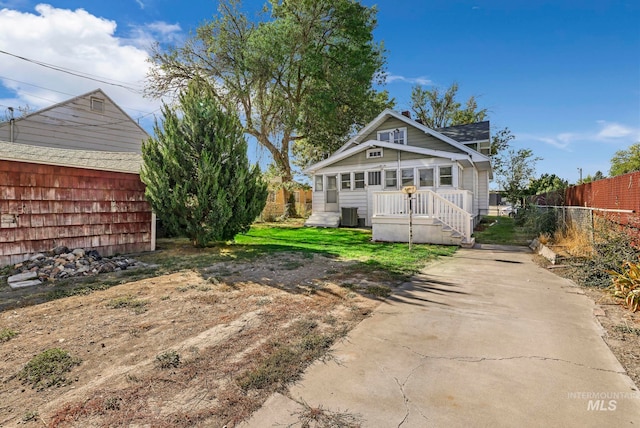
x,y
11,124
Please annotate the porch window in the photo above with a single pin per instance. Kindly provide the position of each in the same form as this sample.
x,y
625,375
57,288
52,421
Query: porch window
x,y
396,136
426,177
407,177
445,176
391,179
358,179
271,197
374,178
345,181
319,185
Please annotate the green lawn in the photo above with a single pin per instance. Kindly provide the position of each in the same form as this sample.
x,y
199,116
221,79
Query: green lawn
x,y
346,244
501,230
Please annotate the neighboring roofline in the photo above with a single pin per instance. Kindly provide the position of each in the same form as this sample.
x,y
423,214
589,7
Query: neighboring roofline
x,y
388,112
126,162
71,100
338,156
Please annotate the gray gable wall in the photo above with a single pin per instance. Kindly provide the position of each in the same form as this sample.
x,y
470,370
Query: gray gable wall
x,y
416,137
73,125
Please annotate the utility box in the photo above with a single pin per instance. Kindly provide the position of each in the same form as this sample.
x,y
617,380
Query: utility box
x,y
349,217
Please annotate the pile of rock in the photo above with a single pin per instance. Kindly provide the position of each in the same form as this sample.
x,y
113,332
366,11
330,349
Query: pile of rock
x,y
61,262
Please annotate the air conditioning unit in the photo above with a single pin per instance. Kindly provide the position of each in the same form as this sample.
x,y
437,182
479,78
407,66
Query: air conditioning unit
x,y
349,217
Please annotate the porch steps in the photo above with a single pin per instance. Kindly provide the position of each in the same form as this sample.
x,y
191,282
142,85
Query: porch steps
x,y
458,236
323,219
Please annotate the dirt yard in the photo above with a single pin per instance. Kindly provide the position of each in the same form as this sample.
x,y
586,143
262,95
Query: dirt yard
x,y
193,348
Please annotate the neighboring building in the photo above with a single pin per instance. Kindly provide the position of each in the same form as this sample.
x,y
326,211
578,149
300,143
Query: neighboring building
x,y
88,122
69,175
367,175
278,200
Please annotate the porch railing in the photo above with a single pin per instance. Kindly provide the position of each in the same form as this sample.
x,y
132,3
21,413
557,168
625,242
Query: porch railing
x,y
451,208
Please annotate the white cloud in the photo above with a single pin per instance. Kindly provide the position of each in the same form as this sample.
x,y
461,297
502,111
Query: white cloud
x,y
77,41
140,3
145,36
608,132
612,130
421,80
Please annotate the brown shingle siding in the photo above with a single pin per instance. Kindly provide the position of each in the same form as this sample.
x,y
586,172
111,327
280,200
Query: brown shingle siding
x,y
76,207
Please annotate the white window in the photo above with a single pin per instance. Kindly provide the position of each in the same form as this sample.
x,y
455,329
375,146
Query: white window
x,y
374,153
358,180
445,176
391,179
397,136
426,177
407,177
345,181
319,183
97,104
374,178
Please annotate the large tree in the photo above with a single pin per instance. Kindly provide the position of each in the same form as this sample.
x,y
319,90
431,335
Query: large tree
x,y
516,170
199,180
301,75
436,109
547,183
624,161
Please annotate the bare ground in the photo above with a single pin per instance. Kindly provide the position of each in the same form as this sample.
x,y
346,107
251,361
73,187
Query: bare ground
x,y
241,330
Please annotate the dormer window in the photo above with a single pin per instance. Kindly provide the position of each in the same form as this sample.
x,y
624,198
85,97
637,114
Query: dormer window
x,y
374,153
396,136
97,105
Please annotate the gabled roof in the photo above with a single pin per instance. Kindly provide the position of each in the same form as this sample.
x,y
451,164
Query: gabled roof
x,y
103,161
354,145
467,133
99,92
410,122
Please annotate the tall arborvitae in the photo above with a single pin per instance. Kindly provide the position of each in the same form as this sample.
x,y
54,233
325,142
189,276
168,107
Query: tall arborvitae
x,y
199,180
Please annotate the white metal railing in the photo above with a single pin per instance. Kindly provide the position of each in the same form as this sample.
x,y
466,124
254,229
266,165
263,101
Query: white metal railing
x,y
450,208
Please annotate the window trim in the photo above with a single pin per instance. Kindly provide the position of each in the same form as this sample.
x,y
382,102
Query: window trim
x,y
379,177
413,176
371,152
395,186
319,183
449,175
390,130
433,177
342,181
93,102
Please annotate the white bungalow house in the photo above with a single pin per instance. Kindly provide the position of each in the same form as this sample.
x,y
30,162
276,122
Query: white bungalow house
x,y
362,182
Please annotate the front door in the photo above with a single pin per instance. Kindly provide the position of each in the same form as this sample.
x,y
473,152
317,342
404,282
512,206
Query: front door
x,y
331,194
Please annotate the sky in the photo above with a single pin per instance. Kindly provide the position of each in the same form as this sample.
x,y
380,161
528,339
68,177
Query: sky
x,y
562,75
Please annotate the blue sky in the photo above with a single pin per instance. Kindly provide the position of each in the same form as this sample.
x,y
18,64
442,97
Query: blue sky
x,y
563,75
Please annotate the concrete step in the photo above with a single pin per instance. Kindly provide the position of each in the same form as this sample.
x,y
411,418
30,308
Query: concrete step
x,y
323,219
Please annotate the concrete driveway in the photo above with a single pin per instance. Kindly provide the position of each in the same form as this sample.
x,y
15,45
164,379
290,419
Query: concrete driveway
x,y
484,338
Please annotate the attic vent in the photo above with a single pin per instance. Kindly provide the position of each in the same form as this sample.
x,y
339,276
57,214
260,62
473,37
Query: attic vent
x,y
97,105
374,153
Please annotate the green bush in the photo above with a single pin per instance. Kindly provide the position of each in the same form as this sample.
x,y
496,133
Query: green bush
x,y
48,369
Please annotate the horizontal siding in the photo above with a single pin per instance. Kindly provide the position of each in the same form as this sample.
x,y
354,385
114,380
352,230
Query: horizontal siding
x,y
415,137
75,207
75,126
354,199
360,159
483,191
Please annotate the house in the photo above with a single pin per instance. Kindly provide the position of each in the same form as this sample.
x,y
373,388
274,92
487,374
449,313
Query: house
x,y
87,122
277,203
69,175
364,180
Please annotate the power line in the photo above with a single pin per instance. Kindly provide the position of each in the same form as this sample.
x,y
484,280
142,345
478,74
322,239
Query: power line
x,y
74,72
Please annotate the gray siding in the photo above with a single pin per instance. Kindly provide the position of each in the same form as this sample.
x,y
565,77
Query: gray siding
x,y
73,125
415,137
360,159
483,192
354,199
